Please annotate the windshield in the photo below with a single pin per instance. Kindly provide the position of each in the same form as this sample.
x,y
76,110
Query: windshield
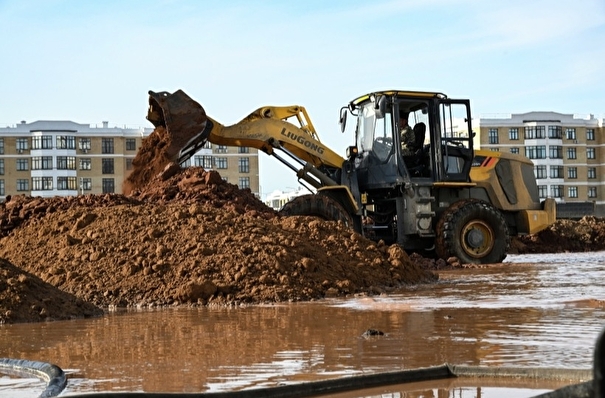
x,y
375,131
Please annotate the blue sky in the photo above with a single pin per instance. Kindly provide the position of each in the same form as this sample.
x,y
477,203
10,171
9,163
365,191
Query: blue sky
x,y
91,61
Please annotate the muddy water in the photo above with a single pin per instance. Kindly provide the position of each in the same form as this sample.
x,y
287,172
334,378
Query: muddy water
x,y
538,311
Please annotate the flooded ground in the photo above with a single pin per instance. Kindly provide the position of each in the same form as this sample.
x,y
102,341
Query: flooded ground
x,y
534,311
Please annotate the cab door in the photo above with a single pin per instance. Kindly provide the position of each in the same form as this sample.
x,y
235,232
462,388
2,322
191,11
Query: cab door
x,y
454,152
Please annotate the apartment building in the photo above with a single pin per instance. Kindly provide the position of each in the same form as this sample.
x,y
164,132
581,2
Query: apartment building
x,y
568,152
63,158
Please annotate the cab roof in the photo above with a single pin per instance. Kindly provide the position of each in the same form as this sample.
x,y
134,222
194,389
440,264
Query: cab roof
x,y
398,93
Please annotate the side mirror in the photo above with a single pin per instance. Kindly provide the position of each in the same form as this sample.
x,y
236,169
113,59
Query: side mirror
x,y
381,106
343,119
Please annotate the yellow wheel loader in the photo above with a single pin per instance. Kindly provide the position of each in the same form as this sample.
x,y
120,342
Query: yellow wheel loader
x,y
444,199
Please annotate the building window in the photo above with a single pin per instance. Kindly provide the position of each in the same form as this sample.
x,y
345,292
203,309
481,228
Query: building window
x,y
244,165
42,163
108,185
536,152
186,163
542,191
66,183
493,136
243,149
571,153
535,132
555,152
221,149
572,192
495,149
572,173
85,164
592,173
66,162
570,134
22,145
207,145
85,184
556,171
592,192
107,166
1,167
514,150
131,144
2,193
590,153
221,163
1,146
556,191
66,142
203,161
589,134
84,144
22,164
42,142
107,145
540,171
244,182
513,133
555,132
42,183
129,163
22,185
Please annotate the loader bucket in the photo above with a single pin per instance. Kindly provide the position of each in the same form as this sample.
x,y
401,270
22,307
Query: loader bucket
x,y
184,120
181,127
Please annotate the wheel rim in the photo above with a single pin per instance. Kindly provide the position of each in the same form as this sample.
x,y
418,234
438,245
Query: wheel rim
x,y
477,239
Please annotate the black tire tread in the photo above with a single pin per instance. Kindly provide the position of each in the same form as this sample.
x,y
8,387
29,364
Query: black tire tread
x,y
448,243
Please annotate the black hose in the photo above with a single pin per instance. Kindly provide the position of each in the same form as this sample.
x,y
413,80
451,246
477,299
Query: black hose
x,y
599,367
352,383
56,381
53,375
581,390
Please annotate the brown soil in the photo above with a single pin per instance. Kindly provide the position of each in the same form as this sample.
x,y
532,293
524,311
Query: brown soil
x,y
186,237
191,239
585,235
26,298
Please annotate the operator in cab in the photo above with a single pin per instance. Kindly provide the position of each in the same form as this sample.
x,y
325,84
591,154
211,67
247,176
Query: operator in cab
x,y
406,134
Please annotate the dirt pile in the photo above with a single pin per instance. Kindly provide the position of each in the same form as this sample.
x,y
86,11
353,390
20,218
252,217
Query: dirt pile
x,y
192,239
585,235
26,298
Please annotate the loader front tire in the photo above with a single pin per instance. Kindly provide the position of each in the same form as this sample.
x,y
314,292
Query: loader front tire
x,y
474,232
317,205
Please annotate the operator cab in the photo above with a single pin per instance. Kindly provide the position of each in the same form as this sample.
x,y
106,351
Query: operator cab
x,y
441,149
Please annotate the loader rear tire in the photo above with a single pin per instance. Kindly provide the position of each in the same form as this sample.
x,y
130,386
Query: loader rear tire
x,y
474,232
317,205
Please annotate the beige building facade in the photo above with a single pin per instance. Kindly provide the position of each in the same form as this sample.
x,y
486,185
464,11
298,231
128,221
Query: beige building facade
x,y
568,152
64,158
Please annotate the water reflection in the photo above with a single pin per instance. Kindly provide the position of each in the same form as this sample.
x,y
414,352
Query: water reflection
x,y
547,313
